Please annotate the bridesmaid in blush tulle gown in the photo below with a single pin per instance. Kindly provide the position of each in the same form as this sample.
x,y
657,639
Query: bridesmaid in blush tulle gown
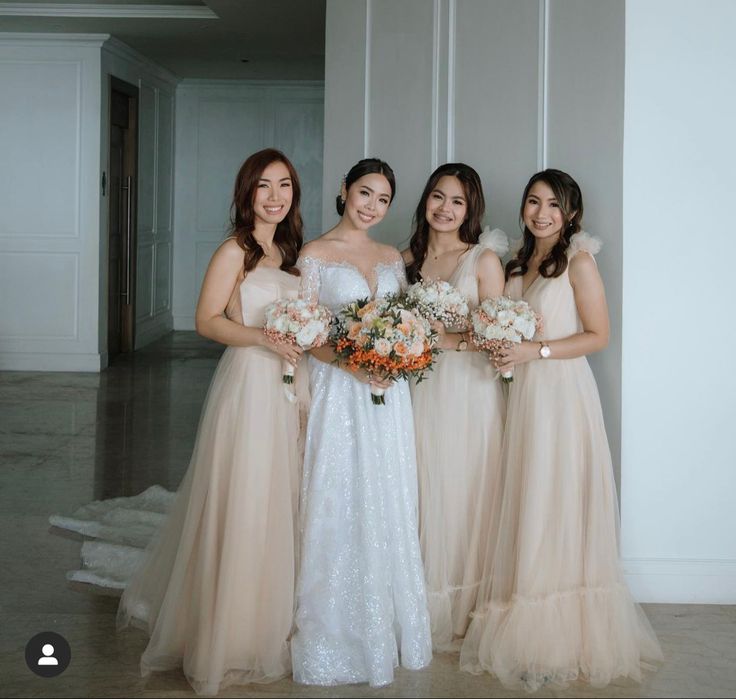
x,y
555,606
215,590
459,411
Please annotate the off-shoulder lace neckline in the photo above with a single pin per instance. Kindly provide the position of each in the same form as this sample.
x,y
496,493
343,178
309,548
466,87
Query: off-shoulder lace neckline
x,y
372,287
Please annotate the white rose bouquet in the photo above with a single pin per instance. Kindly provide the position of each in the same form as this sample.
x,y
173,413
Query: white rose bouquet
x,y
501,322
438,300
384,338
297,322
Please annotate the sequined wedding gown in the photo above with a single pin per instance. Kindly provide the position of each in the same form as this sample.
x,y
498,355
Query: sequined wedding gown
x,y
361,601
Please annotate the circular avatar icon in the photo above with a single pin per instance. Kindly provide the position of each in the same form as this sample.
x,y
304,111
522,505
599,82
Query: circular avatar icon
x,y
48,654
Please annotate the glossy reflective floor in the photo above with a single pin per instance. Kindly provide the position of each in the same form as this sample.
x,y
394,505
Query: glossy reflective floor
x,y
66,439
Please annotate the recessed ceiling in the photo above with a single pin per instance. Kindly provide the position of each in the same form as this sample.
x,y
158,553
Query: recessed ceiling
x,y
281,39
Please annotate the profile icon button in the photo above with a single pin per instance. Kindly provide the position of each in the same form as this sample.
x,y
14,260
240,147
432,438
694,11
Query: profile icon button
x,y
48,654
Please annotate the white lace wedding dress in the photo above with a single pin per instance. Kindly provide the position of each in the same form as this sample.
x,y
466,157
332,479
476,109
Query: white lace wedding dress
x,y
361,604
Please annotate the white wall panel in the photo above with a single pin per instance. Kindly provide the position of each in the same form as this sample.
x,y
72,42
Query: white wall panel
x,y
28,310
40,142
399,110
218,125
345,91
49,203
297,122
162,277
144,282
165,164
227,132
146,161
496,88
677,472
585,124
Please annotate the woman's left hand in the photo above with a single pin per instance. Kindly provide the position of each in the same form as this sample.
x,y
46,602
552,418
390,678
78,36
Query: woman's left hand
x,y
518,353
439,328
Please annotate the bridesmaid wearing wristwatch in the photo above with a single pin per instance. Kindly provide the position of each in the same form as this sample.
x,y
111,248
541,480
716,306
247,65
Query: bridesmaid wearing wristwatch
x,y
459,412
554,606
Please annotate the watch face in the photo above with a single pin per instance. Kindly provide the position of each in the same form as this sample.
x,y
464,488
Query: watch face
x,y
545,351
463,346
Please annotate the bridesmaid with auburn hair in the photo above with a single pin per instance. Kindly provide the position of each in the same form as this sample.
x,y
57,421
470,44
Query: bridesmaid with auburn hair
x,y
554,606
216,589
459,412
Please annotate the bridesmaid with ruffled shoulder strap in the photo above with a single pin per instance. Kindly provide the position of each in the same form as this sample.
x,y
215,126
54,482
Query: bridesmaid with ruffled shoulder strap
x,y
555,606
459,411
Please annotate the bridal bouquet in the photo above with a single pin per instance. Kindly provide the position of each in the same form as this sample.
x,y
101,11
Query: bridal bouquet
x,y
384,338
297,322
438,300
499,323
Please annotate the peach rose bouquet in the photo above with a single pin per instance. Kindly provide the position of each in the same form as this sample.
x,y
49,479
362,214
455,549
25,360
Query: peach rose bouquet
x,y
385,339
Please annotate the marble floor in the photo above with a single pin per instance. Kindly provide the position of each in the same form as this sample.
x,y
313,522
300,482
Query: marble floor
x,y
66,439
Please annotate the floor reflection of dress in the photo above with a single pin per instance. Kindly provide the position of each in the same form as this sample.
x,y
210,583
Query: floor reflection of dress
x,y
215,588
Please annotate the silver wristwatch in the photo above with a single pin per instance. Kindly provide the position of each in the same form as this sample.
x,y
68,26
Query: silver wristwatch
x,y
544,350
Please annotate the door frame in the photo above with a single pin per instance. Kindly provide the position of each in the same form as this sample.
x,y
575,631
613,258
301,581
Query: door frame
x,y
131,168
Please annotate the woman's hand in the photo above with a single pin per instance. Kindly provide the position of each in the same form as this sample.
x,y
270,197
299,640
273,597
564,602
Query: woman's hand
x,y
519,353
364,377
439,328
289,352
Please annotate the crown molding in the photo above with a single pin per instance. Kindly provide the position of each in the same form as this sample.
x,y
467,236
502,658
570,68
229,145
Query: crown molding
x,y
125,52
52,39
45,9
246,82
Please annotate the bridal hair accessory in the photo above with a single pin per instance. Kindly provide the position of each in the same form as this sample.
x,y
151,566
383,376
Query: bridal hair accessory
x,y
296,322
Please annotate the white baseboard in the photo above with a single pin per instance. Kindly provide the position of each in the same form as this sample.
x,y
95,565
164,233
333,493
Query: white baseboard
x,y
52,361
681,581
184,323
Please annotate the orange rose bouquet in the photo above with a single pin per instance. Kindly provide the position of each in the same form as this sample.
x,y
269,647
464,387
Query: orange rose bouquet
x,y
385,339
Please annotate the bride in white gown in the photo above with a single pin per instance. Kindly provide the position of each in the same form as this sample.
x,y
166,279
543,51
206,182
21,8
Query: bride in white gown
x,y
361,604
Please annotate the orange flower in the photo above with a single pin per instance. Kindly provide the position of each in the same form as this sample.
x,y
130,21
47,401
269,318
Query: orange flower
x,y
401,349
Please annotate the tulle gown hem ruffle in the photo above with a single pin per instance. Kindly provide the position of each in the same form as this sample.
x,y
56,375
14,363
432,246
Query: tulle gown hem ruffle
x,y
595,634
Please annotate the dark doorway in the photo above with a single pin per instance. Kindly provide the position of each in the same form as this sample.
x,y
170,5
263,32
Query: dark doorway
x,y
122,228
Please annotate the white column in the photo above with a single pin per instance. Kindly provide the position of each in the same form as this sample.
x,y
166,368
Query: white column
x,y
679,391
50,202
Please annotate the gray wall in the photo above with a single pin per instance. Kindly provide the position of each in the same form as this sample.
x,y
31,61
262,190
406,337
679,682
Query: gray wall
x,y
219,123
508,86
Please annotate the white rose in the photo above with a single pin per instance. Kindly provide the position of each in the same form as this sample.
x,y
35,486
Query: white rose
x,y
308,334
383,347
505,318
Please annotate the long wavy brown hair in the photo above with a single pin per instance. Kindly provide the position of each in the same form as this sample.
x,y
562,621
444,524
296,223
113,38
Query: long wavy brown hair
x,y
289,235
570,200
471,227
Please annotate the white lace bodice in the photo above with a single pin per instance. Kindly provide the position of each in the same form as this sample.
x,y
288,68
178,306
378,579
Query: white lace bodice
x,y
335,283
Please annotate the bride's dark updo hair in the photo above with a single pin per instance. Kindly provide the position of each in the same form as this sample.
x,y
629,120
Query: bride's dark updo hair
x,y
570,200
367,166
